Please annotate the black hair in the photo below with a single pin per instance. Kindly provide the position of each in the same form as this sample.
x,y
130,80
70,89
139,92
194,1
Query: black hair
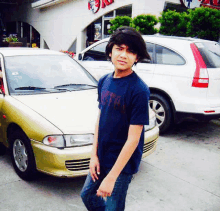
x,y
130,37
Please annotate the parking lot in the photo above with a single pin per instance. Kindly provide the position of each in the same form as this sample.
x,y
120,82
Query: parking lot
x,y
183,174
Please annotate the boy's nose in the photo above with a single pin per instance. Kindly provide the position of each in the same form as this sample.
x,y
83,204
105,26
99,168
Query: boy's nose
x,y
124,54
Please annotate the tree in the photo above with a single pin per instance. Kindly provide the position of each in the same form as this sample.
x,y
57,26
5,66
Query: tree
x,y
174,23
204,23
145,24
119,21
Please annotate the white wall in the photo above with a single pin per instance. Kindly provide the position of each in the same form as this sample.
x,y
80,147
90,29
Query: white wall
x,y
60,25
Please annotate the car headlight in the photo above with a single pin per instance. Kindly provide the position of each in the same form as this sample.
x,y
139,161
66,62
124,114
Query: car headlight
x,y
78,140
54,141
152,124
62,141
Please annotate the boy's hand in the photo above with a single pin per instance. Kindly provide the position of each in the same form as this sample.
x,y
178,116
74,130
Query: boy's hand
x,y
106,187
94,167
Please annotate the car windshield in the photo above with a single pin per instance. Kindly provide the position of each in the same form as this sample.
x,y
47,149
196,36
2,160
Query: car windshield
x,y
40,74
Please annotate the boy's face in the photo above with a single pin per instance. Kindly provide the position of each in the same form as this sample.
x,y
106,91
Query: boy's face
x,y
122,58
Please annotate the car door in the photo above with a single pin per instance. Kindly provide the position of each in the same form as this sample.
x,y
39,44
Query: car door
x,y
95,61
170,70
1,98
145,69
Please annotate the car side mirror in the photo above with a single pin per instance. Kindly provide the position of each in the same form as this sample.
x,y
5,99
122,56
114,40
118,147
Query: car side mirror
x,y
2,91
80,56
146,61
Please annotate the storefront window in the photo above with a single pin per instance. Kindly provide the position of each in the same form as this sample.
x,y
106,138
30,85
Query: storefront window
x,y
109,15
124,11
25,33
99,29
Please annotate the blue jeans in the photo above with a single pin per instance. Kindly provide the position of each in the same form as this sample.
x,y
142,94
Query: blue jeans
x,y
116,202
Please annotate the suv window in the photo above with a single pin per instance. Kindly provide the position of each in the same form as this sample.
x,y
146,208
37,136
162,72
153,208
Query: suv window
x,y
150,50
210,53
167,56
97,53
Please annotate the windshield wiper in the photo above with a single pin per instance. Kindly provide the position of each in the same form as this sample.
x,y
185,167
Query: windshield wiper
x,y
77,85
29,88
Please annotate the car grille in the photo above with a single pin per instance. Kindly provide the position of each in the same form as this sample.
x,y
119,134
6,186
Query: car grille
x,y
148,146
77,165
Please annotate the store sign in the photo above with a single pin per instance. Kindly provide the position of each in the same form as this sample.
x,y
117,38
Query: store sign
x,y
190,4
94,5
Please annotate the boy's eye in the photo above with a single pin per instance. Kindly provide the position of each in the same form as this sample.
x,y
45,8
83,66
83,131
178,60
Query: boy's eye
x,y
131,51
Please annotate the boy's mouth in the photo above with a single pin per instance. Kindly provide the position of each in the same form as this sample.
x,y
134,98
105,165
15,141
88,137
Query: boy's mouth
x,y
122,62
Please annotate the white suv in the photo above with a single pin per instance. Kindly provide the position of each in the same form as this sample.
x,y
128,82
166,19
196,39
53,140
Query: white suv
x,y
183,76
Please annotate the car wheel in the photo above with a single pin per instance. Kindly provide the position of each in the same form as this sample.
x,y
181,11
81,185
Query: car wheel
x,y
22,156
162,110
2,149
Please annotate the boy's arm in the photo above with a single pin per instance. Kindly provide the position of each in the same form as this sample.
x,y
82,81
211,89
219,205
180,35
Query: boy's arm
x,y
94,165
131,144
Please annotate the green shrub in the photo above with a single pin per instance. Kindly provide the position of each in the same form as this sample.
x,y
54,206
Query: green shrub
x,y
204,23
119,21
174,23
145,24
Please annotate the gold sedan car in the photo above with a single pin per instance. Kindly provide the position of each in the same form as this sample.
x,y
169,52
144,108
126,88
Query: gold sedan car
x,y
48,110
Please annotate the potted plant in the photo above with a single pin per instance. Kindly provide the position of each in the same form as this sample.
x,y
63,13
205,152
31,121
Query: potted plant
x,y
69,53
13,41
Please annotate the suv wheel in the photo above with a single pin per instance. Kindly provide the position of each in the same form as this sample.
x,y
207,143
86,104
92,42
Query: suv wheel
x,y
22,156
162,110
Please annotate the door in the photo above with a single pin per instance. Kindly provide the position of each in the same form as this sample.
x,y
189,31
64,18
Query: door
x,y
171,72
2,120
145,69
95,61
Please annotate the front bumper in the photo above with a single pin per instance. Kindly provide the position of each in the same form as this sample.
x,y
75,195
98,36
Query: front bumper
x,y
68,162
150,141
74,162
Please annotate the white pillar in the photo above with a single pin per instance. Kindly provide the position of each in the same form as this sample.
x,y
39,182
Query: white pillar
x,y
21,29
30,36
81,41
41,42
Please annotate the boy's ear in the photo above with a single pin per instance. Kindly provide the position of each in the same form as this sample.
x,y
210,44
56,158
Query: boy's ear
x,y
110,55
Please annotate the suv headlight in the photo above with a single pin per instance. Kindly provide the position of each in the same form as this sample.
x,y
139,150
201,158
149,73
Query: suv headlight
x,y
152,124
62,141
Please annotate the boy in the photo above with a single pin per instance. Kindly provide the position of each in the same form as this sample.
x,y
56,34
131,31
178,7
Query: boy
x,y
119,134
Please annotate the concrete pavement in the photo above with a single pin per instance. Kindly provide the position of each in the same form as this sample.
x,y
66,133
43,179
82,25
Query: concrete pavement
x,y
182,175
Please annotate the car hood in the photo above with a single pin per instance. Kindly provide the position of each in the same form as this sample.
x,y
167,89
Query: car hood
x,y
72,112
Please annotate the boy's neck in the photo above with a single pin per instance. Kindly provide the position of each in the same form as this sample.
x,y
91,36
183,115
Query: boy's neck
x,y
122,73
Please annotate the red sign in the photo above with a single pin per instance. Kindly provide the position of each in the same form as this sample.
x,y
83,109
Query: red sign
x,y
94,5
190,4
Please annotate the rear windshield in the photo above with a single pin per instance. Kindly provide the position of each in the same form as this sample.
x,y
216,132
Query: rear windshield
x,y
210,52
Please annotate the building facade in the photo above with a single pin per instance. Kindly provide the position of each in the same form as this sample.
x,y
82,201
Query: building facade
x,y
73,24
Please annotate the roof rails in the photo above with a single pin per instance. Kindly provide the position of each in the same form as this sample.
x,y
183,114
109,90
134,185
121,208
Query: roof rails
x,y
174,37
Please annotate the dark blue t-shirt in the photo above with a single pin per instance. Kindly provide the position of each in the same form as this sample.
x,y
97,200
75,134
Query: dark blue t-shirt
x,y
123,102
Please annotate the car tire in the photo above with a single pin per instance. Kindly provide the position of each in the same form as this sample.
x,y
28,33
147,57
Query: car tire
x,y
163,112
22,156
2,149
